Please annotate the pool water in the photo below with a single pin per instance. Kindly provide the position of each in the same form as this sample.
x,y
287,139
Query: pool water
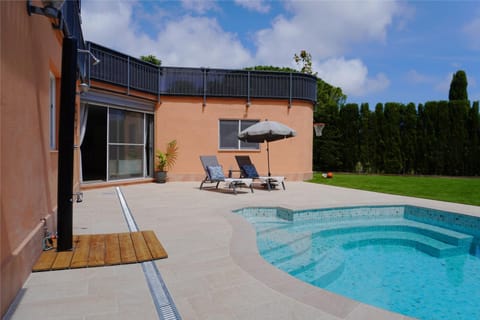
x,y
378,257
407,281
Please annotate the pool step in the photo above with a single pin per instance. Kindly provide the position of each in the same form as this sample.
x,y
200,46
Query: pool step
x,y
282,245
440,234
324,270
420,242
330,264
293,253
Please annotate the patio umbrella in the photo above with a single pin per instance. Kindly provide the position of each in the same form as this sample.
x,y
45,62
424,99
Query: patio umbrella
x,y
266,131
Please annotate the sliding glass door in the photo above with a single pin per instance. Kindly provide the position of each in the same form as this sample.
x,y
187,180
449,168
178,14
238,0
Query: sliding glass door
x,y
127,144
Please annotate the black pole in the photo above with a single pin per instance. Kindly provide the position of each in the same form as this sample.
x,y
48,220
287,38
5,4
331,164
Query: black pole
x,y
65,144
268,159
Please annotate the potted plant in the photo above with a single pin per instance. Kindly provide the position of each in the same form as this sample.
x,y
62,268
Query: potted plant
x,y
165,161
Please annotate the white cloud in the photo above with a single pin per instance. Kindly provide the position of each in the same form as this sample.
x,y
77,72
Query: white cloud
x,y
415,77
199,6
324,28
110,23
328,30
254,5
351,76
185,41
200,42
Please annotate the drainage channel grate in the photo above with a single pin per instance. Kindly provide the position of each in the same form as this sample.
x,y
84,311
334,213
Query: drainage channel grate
x,y
164,304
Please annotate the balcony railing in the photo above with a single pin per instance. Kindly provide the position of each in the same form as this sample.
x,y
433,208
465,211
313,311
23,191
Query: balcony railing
x,y
72,27
134,74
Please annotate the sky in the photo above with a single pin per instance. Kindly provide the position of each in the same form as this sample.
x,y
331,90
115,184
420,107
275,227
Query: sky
x,y
376,51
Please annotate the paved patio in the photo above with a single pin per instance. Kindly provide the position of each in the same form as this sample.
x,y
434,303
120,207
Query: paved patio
x,y
213,270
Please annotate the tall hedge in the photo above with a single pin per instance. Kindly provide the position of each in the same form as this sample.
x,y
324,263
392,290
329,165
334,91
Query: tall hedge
x,y
472,163
349,121
437,138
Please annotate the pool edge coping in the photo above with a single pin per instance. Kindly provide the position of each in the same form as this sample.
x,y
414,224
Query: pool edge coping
x,y
244,252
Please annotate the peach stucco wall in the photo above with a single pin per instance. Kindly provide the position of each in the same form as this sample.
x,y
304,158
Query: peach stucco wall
x,y
196,129
30,50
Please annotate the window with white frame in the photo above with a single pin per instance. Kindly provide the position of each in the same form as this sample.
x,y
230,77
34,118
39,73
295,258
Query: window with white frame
x,y
53,113
228,135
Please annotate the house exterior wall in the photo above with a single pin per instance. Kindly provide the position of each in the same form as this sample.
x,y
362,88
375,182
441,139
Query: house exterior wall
x,y
30,51
196,129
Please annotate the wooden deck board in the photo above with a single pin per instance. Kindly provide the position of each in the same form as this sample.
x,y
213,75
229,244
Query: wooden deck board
x,y
96,256
82,249
141,249
62,260
45,262
112,249
103,250
127,252
156,248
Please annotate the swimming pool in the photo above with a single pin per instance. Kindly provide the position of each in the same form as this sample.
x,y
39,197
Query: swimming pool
x,y
400,258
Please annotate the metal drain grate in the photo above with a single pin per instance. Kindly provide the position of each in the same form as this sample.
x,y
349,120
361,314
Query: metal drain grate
x,y
164,304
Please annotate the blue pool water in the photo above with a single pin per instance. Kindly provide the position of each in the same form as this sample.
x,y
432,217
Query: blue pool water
x,y
384,256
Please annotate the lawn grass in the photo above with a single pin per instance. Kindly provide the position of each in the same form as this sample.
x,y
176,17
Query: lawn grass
x,y
459,190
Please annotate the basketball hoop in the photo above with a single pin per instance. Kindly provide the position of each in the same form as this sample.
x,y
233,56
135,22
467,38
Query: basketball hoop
x,y
318,128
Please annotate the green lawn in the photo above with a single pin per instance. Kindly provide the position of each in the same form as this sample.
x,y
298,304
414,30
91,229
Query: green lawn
x,y
460,190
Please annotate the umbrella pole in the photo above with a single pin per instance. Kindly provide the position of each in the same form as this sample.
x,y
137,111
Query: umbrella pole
x,y
268,160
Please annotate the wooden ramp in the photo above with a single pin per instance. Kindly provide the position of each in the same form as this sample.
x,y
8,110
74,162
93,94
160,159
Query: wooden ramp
x,y
96,250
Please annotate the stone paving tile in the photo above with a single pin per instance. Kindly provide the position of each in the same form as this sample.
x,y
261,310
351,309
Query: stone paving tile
x,y
213,270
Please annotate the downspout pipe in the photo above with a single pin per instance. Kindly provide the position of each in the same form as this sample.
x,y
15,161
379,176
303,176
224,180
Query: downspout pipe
x,y
66,144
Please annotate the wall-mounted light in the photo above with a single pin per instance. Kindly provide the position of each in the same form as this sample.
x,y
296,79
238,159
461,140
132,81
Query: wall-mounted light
x,y
95,59
249,104
51,9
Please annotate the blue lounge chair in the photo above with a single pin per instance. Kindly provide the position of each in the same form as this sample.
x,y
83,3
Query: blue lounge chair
x,y
248,170
214,174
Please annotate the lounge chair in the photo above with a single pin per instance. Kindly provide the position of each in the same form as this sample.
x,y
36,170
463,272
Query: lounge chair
x,y
214,174
248,170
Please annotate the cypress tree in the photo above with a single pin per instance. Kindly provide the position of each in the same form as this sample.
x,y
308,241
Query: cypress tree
x,y
458,86
472,157
366,139
442,147
349,127
458,137
430,138
421,144
326,156
408,136
393,157
379,159
326,148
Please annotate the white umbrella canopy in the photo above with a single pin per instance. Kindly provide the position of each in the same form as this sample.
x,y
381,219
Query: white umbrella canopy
x,y
266,131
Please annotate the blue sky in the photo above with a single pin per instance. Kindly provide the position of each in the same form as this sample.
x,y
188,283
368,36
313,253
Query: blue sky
x,y
376,51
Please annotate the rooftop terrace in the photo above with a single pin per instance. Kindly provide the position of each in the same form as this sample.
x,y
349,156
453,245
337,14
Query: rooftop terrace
x,y
123,70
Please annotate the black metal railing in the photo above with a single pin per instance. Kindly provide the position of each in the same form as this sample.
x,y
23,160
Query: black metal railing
x,y
132,73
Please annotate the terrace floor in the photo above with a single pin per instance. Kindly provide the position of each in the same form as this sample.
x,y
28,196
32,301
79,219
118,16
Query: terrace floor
x,y
213,270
